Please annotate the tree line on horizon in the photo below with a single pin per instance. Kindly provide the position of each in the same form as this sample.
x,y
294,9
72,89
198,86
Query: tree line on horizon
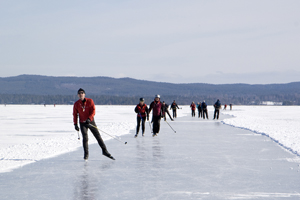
x,y
133,100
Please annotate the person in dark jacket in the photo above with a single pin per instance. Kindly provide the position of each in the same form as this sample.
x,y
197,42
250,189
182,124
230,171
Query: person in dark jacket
x,y
174,108
85,109
199,110
217,107
204,109
156,114
165,110
142,112
193,108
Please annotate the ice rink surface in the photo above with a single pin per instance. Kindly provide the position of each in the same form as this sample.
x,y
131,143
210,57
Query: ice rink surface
x,y
202,160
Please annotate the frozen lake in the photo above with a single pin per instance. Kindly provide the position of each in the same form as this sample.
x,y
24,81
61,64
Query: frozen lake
x,y
205,159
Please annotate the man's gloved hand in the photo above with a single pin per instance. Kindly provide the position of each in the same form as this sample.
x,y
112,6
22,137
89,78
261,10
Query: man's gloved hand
x,y
88,121
76,127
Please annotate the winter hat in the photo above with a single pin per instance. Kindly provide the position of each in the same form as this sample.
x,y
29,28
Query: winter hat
x,y
142,99
81,90
158,96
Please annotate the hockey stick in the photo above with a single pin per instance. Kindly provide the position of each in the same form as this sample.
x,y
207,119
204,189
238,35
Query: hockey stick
x,y
107,134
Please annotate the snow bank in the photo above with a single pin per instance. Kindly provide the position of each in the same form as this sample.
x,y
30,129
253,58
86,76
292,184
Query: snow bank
x,y
280,123
29,133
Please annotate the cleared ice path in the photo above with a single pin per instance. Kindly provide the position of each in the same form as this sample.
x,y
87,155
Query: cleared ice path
x,y
203,160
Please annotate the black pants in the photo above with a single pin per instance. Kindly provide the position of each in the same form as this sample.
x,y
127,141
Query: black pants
x,y
139,119
199,113
205,113
174,113
84,130
164,115
156,124
193,113
216,113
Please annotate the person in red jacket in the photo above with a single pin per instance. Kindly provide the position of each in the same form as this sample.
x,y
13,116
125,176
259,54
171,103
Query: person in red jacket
x,y
193,108
85,109
142,112
156,115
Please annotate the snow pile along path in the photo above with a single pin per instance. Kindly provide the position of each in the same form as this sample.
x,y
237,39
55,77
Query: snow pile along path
x,y
29,133
280,123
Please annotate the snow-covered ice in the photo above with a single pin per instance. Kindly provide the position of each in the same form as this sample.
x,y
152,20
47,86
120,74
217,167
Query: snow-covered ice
x,y
29,133
204,159
280,123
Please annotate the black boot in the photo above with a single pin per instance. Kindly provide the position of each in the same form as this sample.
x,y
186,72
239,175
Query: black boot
x,y
86,156
105,153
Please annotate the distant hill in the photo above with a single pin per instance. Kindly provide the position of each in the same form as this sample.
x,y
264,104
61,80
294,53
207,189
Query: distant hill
x,y
44,87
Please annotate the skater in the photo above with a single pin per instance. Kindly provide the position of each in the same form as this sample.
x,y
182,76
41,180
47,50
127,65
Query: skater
x,y
193,108
230,106
199,110
142,112
174,108
156,115
225,106
204,109
85,109
164,109
217,107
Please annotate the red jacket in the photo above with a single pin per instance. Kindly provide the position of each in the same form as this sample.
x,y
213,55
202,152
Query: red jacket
x,y
85,110
193,106
143,110
156,106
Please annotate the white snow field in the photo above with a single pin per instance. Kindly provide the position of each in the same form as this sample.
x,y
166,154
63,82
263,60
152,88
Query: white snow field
x,y
280,123
29,133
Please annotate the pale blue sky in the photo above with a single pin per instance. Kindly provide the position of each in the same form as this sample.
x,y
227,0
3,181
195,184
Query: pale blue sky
x,y
230,41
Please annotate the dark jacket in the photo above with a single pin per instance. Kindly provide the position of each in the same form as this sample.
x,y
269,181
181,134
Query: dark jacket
x,y
164,108
217,105
142,110
203,106
156,107
174,106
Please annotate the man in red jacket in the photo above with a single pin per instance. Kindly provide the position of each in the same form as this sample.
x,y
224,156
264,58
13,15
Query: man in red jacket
x,y
156,115
85,109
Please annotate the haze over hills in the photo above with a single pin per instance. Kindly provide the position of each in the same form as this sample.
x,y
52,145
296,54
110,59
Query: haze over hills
x,y
106,90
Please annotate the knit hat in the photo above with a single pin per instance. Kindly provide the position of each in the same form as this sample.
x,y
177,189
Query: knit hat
x,y
81,90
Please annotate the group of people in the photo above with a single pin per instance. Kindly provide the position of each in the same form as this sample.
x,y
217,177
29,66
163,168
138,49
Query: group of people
x,y
84,108
160,109
202,109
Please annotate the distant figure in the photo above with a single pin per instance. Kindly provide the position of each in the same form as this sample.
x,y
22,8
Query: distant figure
x,y
174,107
204,109
199,110
156,115
217,107
230,106
85,109
142,112
54,105
193,108
225,106
164,110
44,105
